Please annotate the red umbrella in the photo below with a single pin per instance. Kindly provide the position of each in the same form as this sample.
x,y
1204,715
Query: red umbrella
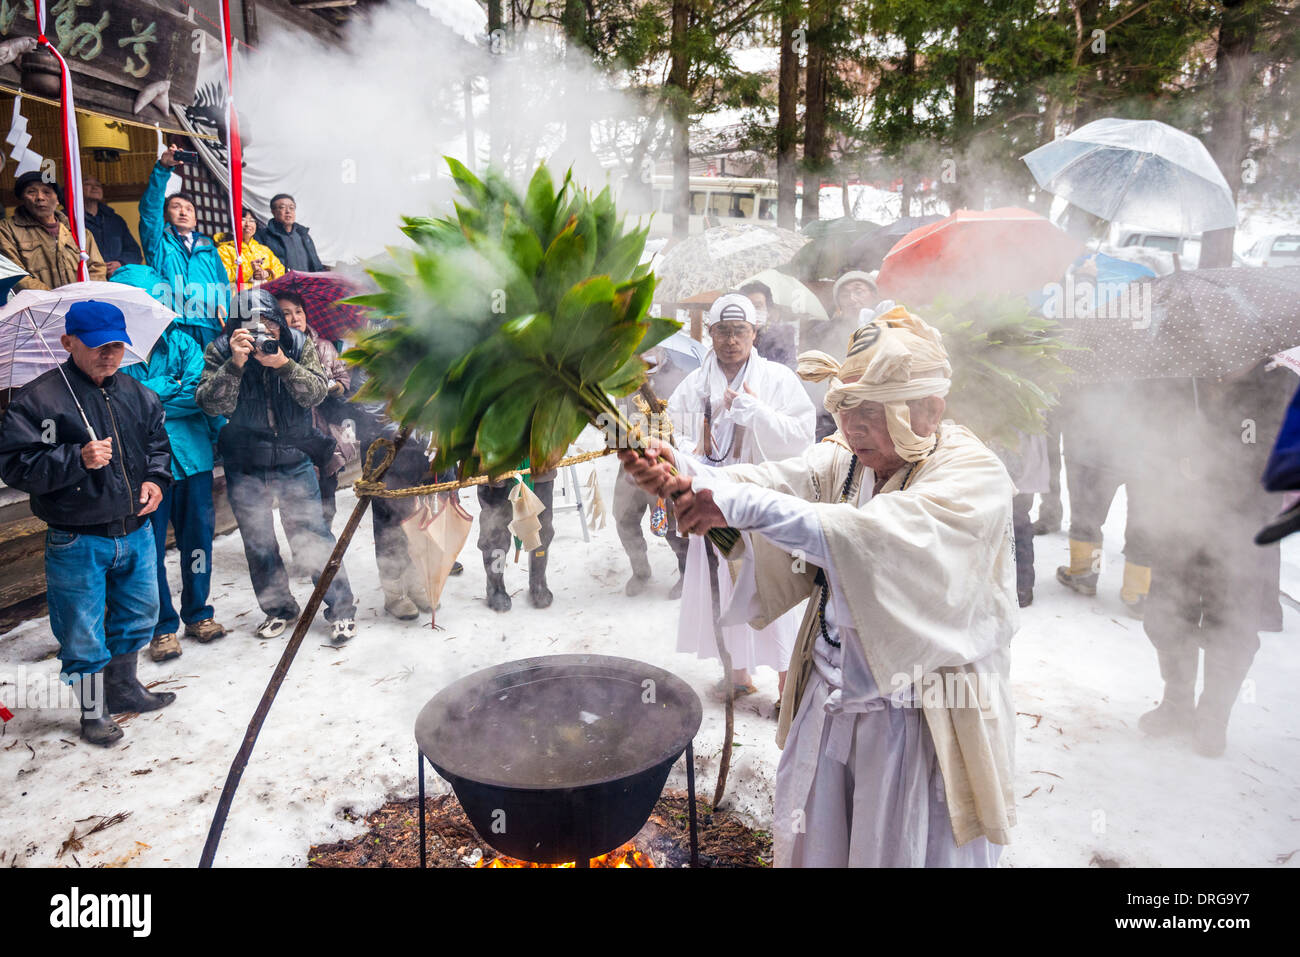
x,y
320,292
977,253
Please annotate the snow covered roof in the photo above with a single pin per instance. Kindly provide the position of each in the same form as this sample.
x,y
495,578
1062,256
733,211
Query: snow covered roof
x,y
465,17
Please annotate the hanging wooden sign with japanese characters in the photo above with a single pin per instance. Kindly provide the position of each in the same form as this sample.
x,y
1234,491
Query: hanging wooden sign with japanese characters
x,y
129,58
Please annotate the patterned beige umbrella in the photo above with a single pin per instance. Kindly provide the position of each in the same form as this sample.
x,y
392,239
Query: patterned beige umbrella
x,y
436,535
720,258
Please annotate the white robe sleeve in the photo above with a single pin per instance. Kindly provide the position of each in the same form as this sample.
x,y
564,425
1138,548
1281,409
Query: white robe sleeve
x,y
781,417
685,412
787,522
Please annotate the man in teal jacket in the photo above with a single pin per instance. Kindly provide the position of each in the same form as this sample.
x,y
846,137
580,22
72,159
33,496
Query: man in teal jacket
x,y
173,371
186,259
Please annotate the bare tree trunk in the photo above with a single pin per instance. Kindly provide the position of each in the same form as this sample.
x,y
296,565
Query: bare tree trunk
x,y
1087,17
908,69
787,105
496,85
471,149
1233,72
814,117
963,121
577,130
679,111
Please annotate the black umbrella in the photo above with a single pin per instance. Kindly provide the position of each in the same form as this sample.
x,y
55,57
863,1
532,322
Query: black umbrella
x,y
827,252
1204,323
868,251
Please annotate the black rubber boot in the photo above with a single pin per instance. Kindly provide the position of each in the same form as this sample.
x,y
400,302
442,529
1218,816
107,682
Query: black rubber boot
x,y
1223,678
97,725
123,691
676,591
640,574
498,599
1175,712
1210,726
538,593
1084,584
1050,514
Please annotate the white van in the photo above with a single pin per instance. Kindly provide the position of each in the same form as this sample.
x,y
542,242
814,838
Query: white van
x,y
715,201
1279,249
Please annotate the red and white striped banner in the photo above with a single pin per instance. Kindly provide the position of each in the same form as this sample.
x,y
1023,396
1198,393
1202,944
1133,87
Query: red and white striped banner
x,y
72,202
233,150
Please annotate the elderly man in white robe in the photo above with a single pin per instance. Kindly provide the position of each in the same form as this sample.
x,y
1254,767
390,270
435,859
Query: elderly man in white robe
x,y
736,408
897,725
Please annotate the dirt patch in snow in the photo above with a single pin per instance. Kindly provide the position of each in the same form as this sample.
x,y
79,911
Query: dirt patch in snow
x,y
392,838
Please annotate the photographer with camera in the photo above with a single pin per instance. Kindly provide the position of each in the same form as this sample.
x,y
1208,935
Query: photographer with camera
x,y
265,378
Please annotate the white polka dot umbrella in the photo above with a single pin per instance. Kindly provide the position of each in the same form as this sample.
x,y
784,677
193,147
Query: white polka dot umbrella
x,y
1198,323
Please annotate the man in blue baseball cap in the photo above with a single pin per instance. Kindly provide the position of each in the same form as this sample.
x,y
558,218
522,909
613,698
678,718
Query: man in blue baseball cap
x,y
89,448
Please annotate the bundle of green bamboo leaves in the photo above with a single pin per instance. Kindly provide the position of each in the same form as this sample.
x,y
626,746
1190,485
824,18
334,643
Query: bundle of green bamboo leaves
x,y
517,320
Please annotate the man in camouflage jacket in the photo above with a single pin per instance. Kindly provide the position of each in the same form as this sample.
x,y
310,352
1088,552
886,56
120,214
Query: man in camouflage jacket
x,y
270,450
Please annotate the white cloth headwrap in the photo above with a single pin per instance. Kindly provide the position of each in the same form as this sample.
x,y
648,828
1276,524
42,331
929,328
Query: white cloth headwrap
x,y
896,357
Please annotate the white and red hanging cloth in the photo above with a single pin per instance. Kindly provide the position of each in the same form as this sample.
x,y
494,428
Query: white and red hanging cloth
x,y
72,202
233,150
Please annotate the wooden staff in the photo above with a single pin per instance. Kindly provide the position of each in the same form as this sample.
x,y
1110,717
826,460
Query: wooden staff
x,y
658,405
290,650
725,764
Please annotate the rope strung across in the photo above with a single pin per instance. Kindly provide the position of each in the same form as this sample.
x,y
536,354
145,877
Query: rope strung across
x,y
375,489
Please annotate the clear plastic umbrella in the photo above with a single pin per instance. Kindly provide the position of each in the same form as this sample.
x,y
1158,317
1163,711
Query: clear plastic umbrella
x,y
1137,171
10,273
790,292
31,325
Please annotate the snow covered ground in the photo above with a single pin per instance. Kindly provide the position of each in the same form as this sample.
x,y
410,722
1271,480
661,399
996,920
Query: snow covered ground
x,y
1092,789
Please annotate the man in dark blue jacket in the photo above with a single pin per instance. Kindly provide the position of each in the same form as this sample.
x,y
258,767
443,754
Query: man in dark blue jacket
x,y
288,238
116,244
89,447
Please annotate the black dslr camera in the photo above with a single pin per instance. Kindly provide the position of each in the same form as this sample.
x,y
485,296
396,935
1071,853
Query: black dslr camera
x,y
263,341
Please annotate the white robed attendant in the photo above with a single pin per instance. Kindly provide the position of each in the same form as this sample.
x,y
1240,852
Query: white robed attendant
x,y
736,408
897,725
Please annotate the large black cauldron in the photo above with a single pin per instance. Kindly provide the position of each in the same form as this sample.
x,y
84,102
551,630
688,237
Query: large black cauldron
x,y
559,758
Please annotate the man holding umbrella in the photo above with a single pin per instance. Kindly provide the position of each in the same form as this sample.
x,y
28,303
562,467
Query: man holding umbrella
x,y
89,447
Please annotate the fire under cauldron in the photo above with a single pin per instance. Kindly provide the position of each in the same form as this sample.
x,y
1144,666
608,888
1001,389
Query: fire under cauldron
x,y
559,758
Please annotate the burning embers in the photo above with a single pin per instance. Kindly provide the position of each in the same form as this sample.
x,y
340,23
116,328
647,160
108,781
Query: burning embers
x,y
625,856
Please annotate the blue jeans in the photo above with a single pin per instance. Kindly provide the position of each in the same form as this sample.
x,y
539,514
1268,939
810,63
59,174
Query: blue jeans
x,y
187,504
103,596
251,494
